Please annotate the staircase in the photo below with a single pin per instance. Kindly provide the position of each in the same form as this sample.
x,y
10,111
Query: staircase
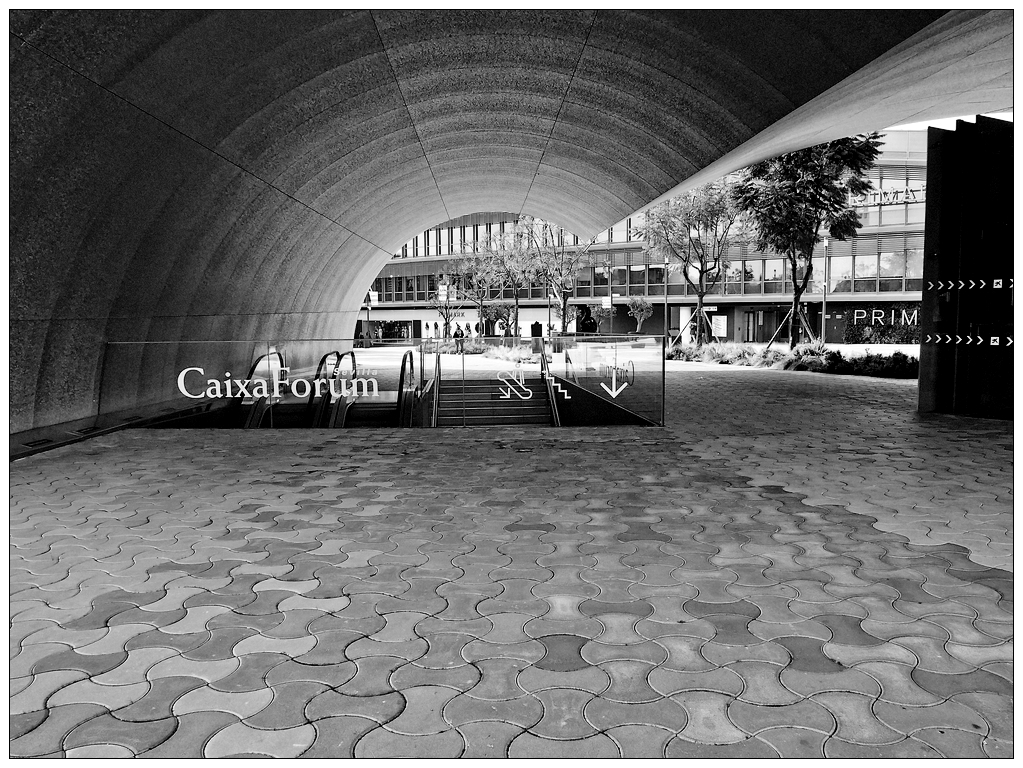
x,y
492,402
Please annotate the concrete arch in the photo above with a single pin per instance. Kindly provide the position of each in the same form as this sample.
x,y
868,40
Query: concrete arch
x,y
200,175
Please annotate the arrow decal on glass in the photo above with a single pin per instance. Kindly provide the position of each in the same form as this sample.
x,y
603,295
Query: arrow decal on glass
x,y
614,390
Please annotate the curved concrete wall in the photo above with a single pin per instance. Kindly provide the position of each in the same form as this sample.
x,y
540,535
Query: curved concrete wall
x,y
243,175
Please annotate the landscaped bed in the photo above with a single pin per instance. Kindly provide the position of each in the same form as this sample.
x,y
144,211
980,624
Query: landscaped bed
x,y
805,357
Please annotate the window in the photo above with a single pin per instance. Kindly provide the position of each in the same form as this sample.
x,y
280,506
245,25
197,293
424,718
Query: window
x,y
893,264
914,269
840,274
618,276
893,215
866,265
870,216
426,243
676,281
915,213
816,284
584,281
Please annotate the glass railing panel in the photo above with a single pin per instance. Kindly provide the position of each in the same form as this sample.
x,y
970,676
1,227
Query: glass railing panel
x,y
511,363
625,370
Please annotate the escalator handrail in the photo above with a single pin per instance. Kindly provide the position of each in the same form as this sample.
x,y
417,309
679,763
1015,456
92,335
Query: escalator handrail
x,y
260,406
311,409
255,365
549,383
406,360
327,398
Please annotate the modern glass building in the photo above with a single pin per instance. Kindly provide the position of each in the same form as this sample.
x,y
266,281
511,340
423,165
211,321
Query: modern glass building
x,y
866,289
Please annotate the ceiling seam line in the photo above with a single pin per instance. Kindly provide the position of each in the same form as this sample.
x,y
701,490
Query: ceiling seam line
x,y
196,142
412,122
561,106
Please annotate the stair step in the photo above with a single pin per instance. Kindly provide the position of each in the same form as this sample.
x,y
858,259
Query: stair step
x,y
452,413
491,422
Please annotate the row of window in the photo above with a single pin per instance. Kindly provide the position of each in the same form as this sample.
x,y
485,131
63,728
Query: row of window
x,y
871,273
448,241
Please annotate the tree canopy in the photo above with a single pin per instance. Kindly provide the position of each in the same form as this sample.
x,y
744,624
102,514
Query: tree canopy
x,y
693,232
793,200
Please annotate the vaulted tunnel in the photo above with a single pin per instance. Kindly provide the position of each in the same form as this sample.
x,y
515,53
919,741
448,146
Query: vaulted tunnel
x,y
181,175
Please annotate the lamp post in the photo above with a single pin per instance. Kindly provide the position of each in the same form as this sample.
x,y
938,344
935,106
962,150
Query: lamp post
x,y
665,299
824,305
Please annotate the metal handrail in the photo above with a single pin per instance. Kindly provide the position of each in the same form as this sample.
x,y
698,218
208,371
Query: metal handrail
x,y
545,373
436,390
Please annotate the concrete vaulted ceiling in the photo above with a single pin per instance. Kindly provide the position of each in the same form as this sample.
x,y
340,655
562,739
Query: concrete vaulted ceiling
x,y
243,175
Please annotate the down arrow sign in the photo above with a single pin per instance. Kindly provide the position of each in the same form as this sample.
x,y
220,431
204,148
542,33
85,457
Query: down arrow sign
x,y
614,390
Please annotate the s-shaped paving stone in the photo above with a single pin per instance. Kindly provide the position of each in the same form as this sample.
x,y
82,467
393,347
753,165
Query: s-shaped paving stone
x,y
735,584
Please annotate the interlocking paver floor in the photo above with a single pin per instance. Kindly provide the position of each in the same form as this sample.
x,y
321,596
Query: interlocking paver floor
x,y
798,565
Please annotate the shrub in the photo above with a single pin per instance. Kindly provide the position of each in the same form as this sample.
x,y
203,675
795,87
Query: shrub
x,y
805,357
520,353
448,346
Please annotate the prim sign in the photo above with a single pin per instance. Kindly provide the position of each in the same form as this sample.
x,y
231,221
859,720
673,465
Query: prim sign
x,y
191,385
880,317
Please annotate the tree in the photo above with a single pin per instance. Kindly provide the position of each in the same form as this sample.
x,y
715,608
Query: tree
x,y
512,262
600,313
481,276
640,309
694,232
557,266
446,301
789,200
498,312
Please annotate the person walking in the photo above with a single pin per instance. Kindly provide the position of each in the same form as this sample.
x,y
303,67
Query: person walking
x,y
459,339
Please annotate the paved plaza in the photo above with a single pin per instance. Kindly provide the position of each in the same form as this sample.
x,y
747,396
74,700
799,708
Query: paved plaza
x,y
798,565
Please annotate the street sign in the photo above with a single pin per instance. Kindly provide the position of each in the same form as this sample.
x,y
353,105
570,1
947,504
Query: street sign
x,y
707,308
374,296
605,301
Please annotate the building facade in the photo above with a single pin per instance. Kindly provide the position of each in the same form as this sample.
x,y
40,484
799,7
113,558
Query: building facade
x,y
865,290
